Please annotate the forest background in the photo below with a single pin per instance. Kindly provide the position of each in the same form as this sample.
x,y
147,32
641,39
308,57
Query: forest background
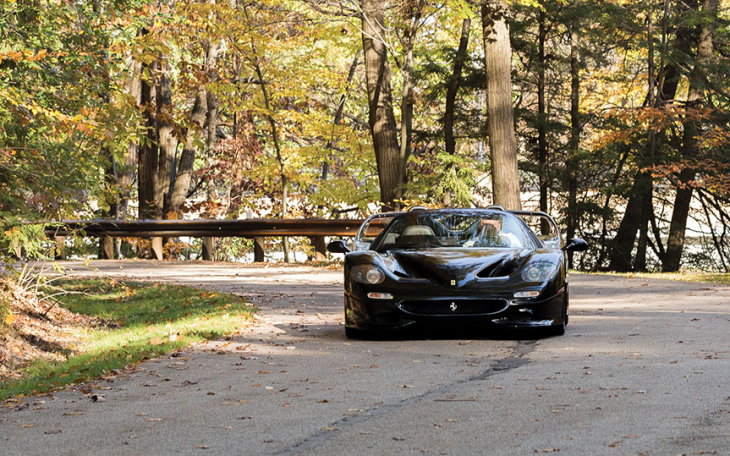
x,y
318,108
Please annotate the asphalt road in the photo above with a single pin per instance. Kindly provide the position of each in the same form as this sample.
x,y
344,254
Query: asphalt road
x,y
642,370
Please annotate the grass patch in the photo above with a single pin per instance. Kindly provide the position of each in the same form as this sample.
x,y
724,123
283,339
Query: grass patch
x,y
689,276
144,321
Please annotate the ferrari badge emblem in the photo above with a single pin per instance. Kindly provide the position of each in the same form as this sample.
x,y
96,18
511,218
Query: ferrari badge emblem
x,y
453,307
453,282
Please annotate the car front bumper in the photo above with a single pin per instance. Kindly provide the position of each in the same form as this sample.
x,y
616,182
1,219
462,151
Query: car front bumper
x,y
444,312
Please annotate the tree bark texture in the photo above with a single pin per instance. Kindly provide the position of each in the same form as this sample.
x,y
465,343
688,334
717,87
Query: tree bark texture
x,y
500,112
147,165
620,258
184,173
453,87
166,137
542,145
623,244
380,102
451,90
695,98
133,86
575,129
413,16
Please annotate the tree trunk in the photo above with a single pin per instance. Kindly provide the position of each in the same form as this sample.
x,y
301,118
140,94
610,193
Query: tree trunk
x,y
574,147
133,86
413,16
451,91
380,103
623,243
695,98
184,173
542,146
147,165
106,244
453,87
648,195
500,122
167,139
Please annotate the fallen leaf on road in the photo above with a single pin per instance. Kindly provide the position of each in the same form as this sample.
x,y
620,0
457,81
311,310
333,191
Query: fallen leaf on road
x,y
27,425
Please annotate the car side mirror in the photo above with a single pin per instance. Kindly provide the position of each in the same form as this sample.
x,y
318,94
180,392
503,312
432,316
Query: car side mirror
x,y
575,245
337,247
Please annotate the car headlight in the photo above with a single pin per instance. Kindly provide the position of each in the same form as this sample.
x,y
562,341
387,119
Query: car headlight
x,y
538,272
367,273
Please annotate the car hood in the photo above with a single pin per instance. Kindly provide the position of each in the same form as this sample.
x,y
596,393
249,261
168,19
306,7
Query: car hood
x,y
456,267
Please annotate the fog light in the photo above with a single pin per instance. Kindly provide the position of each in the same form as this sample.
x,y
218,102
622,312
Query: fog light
x,y
527,294
380,296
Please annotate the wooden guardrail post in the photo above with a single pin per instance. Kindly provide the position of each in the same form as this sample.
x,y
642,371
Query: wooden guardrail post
x,y
208,249
258,249
157,248
320,249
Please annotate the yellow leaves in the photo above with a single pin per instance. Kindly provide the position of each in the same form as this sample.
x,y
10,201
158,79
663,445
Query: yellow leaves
x,y
9,319
18,56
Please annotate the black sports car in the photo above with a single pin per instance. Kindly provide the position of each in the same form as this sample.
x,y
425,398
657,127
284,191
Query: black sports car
x,y
456,268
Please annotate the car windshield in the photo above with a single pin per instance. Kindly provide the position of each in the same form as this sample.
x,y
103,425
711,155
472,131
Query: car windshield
x,y
470,229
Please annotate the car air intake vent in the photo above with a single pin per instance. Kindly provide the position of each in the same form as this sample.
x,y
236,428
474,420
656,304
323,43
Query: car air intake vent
x,y
489,270
401,274
455,307
498,269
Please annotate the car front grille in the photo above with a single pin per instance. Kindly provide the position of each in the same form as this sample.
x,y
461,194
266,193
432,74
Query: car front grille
x,y
455,306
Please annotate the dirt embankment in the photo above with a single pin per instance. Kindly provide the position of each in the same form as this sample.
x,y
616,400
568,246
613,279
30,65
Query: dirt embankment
x,y
35,329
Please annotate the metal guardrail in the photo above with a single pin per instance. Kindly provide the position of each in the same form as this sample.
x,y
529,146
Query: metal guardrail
x,y
208,228
256,229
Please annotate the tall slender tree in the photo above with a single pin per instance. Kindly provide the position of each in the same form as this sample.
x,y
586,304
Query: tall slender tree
x,y
500,111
